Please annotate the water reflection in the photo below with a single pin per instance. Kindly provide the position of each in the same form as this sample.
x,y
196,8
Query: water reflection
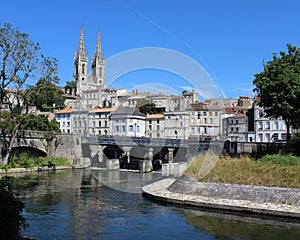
x,y
229,226
98,204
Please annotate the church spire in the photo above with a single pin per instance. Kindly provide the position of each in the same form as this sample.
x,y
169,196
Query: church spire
x,y
81,41
98,47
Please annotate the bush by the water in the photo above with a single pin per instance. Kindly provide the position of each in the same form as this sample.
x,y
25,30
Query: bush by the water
x,y
11,219
26,161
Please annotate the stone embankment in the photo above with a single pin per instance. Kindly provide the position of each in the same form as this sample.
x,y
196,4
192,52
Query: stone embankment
x,y
283,202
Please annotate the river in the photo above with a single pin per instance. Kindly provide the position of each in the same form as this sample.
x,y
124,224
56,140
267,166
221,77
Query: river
x,y
99,204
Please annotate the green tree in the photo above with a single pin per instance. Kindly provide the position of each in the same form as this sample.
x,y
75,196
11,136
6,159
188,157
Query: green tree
x,y
45,95
21,62
146,106
278,87
11,219
31,122
70,88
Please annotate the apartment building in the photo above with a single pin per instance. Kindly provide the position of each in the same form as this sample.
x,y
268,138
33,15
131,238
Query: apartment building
x,y
235,128
100,121
126,121
64,118
268,129
155,126
176,125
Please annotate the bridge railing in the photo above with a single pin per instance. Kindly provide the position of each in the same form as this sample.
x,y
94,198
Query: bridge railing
x,y
140,141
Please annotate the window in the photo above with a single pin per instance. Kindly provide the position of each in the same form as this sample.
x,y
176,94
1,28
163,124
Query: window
x,y
216,114
157,127
99,132
231,130
68,124
267,125
210,113
82,70
157,121
260,113
138,129
94,124
236,121
105,123
99,123
150,127
204,113
192,130
100,72
237,129
130,129
158,135
181,124
276,125
150,121
260,125
268,137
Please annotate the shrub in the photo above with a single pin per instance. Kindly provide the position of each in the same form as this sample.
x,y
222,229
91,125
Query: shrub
x,y
11,220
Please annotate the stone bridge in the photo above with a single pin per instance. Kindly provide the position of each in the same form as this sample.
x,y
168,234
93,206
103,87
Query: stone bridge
x,y
35,143
111,152
144,154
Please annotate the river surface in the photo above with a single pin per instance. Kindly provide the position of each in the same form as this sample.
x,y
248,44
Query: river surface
x,y
99,204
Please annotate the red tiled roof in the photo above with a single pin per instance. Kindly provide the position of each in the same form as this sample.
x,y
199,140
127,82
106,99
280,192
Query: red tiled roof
x,y
104,110
65,110
155,116
240,115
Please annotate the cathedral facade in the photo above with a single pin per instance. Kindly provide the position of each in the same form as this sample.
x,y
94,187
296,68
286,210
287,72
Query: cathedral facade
x,y
88,86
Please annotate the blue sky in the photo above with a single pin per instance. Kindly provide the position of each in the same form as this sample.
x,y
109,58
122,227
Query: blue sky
x,y
230,39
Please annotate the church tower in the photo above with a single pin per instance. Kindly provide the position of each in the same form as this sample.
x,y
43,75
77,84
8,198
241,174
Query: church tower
x,y
97,75
80,74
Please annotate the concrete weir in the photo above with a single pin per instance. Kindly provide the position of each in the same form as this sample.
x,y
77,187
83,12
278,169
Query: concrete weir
x,y
207,196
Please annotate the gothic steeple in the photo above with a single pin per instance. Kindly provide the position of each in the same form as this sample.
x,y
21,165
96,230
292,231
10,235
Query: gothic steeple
x,y
98,47
80,74
81,41
98,64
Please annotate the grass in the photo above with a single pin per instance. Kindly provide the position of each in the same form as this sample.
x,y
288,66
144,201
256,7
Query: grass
x,y
271,170
24,160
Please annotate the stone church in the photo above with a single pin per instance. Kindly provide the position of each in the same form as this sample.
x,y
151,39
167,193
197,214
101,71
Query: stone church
x,y
89,86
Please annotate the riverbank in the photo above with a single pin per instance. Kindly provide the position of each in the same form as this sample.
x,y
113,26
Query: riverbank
x,y
32,169
273,201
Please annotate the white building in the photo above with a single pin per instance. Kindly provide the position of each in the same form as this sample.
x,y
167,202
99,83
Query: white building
x,y
267,129
126,121
155,125
99,121
176,125
204,121
64,118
